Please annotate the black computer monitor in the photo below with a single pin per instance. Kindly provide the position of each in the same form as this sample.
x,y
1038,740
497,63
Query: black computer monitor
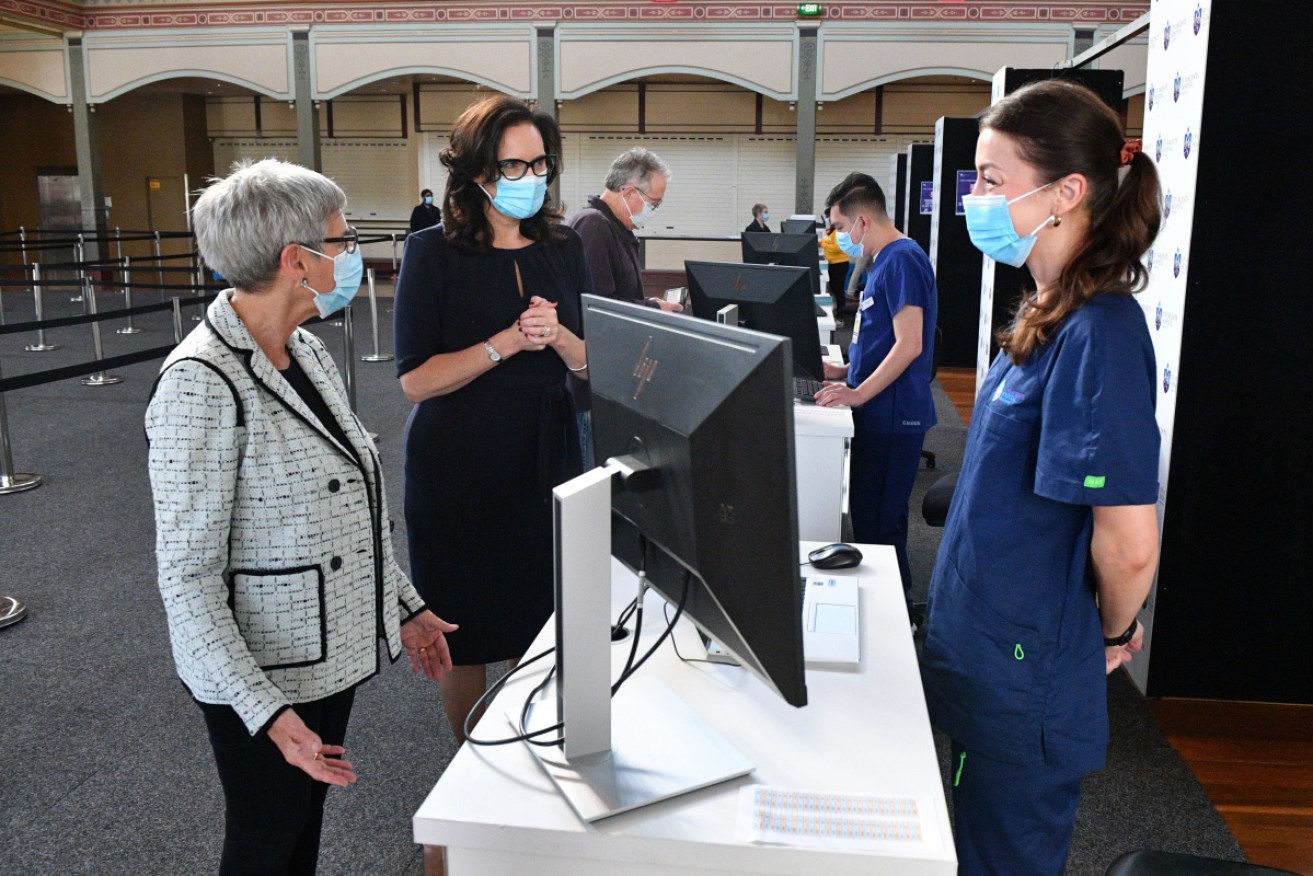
x,y
800,226
797,250
770,298
708,408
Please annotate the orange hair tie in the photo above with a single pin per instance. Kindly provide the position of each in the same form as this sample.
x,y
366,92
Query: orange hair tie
x,y
1130,149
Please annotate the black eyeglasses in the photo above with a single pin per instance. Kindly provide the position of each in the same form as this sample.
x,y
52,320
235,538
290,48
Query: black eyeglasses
x,y
514,168
351,239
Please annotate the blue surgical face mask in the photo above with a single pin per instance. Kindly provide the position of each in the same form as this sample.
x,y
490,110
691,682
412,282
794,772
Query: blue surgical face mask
x,y
851,248
990,226
428,199
765,217
519,198
348,268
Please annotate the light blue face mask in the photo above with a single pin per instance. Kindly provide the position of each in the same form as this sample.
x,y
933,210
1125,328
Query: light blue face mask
x,y
851,248
519,198
428,199
348,268
765,217
990,226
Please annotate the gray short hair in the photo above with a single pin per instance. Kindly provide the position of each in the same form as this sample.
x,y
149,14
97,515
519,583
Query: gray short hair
x,y
242,222
635,167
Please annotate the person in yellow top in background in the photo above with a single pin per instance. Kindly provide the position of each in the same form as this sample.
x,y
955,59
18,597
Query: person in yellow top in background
x,y
838,270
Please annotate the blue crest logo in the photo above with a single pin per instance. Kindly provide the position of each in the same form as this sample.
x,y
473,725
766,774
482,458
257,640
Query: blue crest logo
x,y
1167,204
1176,88
1176,264
1158,150
1167,36
1167,378
1148,260
1189,141
1158,316
1150,97
1198,17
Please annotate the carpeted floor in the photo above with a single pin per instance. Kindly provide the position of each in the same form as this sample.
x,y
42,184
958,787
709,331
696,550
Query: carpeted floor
x,y
104,765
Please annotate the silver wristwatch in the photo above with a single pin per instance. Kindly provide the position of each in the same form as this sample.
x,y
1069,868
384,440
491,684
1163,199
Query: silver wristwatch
x,y
492,352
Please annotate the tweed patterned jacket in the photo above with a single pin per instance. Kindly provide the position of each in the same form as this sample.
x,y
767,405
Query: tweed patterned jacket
x,y
273,542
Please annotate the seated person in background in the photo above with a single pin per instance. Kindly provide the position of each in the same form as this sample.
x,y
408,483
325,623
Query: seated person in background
x,y
760,216
425,214
887,380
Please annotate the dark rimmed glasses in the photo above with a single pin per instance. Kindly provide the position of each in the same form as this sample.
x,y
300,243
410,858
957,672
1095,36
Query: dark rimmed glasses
x,y
515,168
351,239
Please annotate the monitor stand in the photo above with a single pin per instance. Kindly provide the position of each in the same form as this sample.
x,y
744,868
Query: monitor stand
x,y
659,748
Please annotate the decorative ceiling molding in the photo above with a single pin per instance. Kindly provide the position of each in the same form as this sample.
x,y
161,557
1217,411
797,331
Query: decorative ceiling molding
x,y
137,14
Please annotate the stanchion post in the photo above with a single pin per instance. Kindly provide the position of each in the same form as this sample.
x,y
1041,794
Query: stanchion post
x,y
100,378
177,320
373,320
394,254
349,353
128,329
198,279
159,263
80,249
40,346
10,480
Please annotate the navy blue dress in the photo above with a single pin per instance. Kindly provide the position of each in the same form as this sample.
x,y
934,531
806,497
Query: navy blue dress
x,y
481,461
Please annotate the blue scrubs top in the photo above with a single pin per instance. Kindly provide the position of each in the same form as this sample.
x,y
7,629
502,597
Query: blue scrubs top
x,y
901,275
1013,662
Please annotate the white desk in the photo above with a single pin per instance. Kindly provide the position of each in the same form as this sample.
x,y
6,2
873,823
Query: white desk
x,y
825,325
864,731
820,457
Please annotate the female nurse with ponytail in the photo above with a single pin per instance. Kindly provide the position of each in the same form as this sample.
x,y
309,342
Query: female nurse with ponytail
x,y
488,325
1052,540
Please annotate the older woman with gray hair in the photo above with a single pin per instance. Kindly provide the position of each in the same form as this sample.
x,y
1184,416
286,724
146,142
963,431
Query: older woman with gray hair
x,y
272,532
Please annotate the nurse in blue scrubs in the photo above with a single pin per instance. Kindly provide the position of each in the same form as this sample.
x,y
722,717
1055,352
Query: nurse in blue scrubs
x,y
1052,539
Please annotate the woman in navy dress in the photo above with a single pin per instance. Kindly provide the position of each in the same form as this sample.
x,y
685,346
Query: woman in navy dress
x,y
488,324
1052,539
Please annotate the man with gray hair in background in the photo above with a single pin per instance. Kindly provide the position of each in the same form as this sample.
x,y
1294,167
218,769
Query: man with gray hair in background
x,y
634,188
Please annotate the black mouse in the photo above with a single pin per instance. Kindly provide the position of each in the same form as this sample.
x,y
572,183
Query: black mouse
x,y
835,556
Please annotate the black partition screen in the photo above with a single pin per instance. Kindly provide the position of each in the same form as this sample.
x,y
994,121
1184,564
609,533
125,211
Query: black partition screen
x,y
956,260
897,195
920,182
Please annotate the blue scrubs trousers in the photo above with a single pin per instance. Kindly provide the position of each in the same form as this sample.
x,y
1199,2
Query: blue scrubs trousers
x,y
881,473
1011,820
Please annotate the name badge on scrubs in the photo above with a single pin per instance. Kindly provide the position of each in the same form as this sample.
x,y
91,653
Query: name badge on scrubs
x,y
867,302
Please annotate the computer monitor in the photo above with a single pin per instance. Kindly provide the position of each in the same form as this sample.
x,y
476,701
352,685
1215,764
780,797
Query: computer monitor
x,y
770,298
709,409
694,422
800,226
797,250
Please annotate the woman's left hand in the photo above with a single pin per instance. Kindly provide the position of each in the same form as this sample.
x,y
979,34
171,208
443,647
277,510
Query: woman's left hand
x,y
424,638
539,323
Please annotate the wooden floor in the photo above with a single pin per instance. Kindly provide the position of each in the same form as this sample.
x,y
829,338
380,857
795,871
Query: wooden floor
x,y
1254,760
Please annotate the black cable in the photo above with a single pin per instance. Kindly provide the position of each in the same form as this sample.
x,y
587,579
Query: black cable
x,y
679,611
491,692
665,610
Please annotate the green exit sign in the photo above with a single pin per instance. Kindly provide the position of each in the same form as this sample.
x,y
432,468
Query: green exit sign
x,y
810,10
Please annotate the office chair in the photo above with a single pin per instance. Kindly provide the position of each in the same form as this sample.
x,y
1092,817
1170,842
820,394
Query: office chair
x,y
1150,863
928,455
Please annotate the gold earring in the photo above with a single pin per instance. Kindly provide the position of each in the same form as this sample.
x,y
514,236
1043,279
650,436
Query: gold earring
x,y
1057,220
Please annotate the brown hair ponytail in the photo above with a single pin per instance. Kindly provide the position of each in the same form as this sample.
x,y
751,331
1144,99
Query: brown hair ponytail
x,y
1062,128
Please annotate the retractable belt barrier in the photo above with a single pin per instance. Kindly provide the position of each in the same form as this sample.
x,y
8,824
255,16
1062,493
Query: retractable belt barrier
x,y
15,482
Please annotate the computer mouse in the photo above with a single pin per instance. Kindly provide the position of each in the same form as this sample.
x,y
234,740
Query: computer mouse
x,y
835,556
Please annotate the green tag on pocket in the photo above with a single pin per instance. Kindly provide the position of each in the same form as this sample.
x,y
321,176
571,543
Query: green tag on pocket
x,y
1093,482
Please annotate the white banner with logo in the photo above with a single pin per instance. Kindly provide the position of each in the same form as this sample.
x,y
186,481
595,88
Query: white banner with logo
x,y
1173,110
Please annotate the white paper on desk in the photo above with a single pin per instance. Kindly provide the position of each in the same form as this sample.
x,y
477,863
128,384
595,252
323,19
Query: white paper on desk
x,y
826,820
